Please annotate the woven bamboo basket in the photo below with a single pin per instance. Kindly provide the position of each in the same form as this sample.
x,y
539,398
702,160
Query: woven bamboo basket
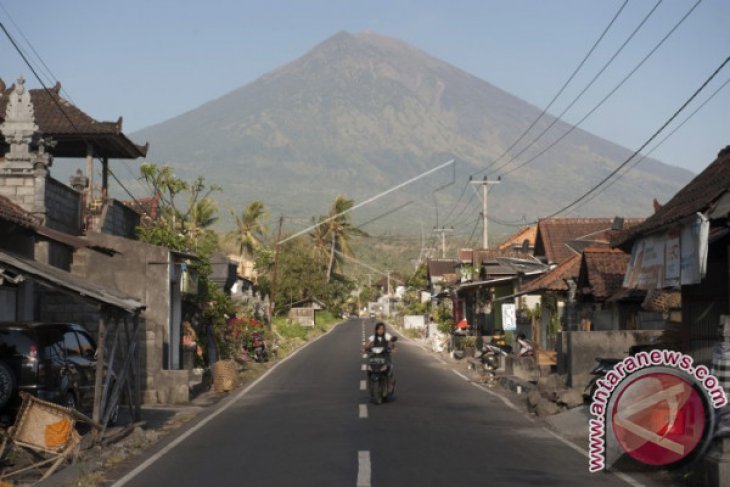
x,y
43,426
225,375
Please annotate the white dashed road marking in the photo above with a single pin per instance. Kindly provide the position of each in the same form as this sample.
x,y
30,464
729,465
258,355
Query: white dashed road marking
x,y
363,385
363,411
363,469
363,367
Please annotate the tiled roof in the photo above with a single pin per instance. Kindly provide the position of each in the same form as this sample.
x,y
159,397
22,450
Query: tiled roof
x,y
441,267
466,255
602,272
697,196
13,213
517,240
71,127
145,206
560,238
481,256
554,280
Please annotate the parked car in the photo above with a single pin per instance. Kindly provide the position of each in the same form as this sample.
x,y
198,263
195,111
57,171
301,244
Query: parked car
x,y
53,361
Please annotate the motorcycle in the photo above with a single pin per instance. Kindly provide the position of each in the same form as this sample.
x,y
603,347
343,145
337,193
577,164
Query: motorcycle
x,y
489,356
381,381
604,365
260,354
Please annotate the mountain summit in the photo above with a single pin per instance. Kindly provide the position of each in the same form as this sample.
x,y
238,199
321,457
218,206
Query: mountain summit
x,y
362,112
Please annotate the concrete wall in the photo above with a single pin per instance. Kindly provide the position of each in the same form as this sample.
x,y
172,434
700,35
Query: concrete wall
x,y
583,347
120,220
415,322
141,271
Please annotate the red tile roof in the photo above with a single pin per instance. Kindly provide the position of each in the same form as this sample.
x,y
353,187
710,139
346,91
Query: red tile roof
x,y
697,196
441,267
560,238
516,240
602,272
554,280
71,127
13,213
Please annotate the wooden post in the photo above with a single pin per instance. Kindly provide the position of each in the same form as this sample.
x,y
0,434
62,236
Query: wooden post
x,y
100,349
110,369
90,174
104,178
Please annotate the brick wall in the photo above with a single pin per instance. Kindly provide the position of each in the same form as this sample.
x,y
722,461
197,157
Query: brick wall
x,y
63,207
119,220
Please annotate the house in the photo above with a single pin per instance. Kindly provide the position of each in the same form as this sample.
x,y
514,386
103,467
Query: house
x,y
684,245
304,312
558,239
490,282
28,287
523,240
72,223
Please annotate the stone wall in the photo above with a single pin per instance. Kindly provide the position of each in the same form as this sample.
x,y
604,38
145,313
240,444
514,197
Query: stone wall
x,y
120,220
63,207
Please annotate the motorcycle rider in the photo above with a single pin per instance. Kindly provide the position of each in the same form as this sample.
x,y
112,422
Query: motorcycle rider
x,y
380,338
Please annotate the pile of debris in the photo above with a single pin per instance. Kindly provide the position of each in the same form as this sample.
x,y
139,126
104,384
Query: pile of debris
x,y
553,396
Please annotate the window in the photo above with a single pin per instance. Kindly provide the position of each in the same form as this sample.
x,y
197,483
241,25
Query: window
x,y
71,344
87,348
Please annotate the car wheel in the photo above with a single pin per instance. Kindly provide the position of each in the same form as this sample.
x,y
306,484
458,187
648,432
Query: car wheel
x,y
7,383
69,400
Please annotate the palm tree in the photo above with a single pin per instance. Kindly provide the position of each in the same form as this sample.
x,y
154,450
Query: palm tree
x,y
250,229
320,242
339,232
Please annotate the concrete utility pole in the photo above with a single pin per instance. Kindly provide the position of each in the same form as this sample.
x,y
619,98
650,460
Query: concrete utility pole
x,y
443,231
485,187
273,280
388,271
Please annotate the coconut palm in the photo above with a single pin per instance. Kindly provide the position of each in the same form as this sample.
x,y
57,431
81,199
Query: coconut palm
x,y
250,229
339,232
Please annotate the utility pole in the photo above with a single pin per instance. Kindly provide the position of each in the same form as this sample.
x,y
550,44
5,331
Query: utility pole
x,y
276,266
485,190
388,271
443,231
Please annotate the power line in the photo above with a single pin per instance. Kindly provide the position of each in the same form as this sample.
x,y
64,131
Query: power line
x,y
50,75
659,144
664,125
610,93
550,104
586,88
55,101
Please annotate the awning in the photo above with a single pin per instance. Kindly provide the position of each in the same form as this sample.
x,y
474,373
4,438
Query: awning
x,y
65,281
485,283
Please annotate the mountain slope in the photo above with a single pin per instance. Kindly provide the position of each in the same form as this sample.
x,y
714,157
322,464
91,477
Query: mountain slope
x,y
360,113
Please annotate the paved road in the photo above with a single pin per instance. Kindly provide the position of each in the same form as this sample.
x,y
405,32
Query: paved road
x,y
303,426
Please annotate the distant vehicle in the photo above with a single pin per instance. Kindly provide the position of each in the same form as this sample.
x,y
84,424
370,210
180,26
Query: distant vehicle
x,y
53,361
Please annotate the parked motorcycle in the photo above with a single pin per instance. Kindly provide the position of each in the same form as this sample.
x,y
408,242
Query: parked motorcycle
x,y
489,355
381,380
260,354
605,364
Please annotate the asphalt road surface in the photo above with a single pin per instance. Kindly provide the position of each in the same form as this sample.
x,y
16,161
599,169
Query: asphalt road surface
x,y
310,423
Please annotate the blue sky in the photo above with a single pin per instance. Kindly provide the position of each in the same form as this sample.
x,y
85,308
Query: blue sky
x,y
150,61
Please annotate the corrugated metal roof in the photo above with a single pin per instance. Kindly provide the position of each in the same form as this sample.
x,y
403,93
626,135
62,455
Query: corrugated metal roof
x,y
66,281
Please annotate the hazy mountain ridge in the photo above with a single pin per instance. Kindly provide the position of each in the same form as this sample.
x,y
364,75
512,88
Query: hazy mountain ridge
x,y
360,113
